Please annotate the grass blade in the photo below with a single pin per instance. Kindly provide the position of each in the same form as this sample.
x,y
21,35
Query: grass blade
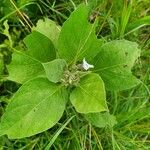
x,y
57,134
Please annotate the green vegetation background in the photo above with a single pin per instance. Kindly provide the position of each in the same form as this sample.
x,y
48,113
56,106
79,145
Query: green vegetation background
x,y
117,19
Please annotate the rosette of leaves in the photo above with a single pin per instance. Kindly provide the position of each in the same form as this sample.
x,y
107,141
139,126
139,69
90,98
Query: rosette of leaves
x,y
51,72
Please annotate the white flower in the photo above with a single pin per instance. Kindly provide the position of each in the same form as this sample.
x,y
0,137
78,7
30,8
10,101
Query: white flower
x,y
85,65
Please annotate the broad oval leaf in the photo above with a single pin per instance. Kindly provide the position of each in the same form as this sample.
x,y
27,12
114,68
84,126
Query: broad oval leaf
x,y
40,47
89,96
55,69
114,63
101,120
48,28
23,68
77,38
36,107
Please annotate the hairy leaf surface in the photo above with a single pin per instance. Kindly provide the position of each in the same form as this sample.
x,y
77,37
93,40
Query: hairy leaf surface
x,y
89,96
114,63
23,68
48,28
40,47
36,107
77,38
55,69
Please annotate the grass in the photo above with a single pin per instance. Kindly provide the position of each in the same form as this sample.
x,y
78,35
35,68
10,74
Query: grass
x,y
117,19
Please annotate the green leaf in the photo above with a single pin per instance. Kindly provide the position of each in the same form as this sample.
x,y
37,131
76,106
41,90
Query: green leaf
x,y
23,68
114,63
6,32
48,28
55,69
145,21
27,65
57,134
1,67
7,7
40,47
37,106
89,96
101,120
77,38
23,2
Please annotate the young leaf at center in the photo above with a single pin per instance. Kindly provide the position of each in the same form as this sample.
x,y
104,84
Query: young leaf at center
x,y
55,69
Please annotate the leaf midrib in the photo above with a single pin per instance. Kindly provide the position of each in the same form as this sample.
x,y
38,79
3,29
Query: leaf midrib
x,y
113,66
27,56
32,109
83,45
82,89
